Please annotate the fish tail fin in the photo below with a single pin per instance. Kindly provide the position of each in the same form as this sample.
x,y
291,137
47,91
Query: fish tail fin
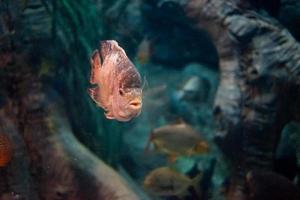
x,y
172,158
92,93
195,184
145,83
95,67
202,147
147,147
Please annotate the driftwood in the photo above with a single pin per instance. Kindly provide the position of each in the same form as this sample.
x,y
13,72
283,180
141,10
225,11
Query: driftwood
x,y
259,87
49,163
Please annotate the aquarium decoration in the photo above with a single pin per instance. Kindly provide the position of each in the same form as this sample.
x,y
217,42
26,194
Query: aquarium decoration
x,y
149,100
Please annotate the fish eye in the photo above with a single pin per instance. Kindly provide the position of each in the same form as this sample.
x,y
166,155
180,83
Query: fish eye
x,y
121,92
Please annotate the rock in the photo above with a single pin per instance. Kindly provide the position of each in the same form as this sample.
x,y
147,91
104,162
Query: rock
x,y
269,185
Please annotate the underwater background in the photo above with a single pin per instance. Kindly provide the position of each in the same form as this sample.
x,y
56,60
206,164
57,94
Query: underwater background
x,y
222,75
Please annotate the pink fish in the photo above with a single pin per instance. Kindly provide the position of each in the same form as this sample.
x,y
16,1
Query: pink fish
x,y
119,84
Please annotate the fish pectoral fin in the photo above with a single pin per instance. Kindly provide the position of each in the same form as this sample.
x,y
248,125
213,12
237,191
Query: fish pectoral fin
x,y
108,115
95,67
94,94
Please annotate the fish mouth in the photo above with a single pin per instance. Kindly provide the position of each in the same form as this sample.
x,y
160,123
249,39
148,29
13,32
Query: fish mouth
x,y
135,105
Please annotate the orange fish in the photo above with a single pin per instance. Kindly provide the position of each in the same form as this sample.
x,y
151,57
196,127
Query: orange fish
x,y
119,85
5,150
144,51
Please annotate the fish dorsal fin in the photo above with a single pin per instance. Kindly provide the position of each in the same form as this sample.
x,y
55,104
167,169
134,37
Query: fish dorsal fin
x,y
145,83
95,95
95,61
178,121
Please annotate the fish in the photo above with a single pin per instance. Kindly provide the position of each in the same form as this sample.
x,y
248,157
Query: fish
x,y
178,139
190,91
5,150
165,181
118,87
144,52
262,184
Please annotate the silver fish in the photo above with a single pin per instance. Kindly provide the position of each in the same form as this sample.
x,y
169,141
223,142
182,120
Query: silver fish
x,y
165,181
119,84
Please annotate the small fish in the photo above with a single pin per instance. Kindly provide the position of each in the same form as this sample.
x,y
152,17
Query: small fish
x,y
190,90
264,185
144,51
5,150
177,140
165,181
119,85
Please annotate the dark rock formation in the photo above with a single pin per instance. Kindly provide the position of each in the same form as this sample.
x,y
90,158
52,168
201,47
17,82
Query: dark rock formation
x,y
40,74
45,46
259,86
263,185
57,165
